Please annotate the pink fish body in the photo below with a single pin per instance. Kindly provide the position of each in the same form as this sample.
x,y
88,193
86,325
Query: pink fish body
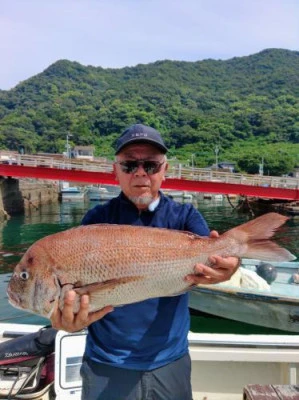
x,y
121,264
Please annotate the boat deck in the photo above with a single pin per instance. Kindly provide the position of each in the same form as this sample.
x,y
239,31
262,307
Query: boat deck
x,y
273,392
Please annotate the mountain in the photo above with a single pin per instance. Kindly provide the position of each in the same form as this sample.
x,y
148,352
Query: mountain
x,y
246,106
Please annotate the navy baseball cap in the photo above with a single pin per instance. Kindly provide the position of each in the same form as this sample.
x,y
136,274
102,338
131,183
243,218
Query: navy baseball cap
x,y
139,133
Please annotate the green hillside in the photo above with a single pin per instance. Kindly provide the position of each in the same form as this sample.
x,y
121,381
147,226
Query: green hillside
x,y
248,107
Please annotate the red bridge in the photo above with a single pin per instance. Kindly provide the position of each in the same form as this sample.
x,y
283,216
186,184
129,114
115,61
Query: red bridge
x,y
178,178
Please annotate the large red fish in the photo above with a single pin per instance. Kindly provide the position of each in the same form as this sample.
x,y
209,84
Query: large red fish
x,y
120,264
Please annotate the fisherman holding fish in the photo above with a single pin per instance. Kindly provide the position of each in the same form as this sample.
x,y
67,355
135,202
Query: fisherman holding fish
x,y
140,351
126,277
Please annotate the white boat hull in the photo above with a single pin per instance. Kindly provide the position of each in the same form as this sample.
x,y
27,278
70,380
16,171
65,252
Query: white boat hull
x,y
72,193
73,196
180,196
247,308
222,364
277,308
100,193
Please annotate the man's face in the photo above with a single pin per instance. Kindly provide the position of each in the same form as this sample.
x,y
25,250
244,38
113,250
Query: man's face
x,y
139,186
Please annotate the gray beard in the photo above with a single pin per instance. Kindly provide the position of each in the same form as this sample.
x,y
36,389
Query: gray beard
x,y
141,200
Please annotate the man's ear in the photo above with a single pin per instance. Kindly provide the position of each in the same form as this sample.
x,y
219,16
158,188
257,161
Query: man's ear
x,y
115,172
165,170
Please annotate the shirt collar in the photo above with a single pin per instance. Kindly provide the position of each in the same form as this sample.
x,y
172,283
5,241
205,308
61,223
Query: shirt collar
x,y
154,204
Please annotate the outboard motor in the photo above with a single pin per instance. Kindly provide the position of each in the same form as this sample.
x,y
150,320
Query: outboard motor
x,y
27,365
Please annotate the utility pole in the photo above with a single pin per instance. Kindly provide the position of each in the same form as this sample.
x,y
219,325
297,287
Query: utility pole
x,y
216,154
68,135
261,167
192,161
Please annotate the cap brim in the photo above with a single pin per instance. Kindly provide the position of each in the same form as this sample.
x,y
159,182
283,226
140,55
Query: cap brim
x,y
148,141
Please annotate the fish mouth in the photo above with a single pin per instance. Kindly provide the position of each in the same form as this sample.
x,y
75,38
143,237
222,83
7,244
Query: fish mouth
x,y
13,298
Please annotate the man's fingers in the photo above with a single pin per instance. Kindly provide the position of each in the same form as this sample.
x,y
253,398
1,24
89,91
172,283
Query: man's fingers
x,y
208,275
214,234
222,269
69,298
68,307
56,316
99,314
71,322
228,263
202,269
80,320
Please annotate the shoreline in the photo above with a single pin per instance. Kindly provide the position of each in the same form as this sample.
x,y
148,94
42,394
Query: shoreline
x,y
19,195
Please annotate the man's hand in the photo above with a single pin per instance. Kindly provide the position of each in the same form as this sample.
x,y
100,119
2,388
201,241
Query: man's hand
x,y
68,321
222,270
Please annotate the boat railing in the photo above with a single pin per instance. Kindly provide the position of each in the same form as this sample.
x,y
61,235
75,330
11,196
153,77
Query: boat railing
x,y
226,348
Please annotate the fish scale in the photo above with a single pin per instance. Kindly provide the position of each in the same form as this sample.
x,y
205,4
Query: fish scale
x,y
122,264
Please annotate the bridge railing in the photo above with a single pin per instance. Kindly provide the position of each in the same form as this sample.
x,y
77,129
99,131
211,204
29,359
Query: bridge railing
x,y
58,162
174,171
200,174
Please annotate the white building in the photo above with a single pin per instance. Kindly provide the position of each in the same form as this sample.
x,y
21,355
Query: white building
x,y
83,152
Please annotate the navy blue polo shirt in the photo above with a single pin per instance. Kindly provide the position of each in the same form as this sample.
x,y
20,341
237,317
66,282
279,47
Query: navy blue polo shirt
x,y
151,333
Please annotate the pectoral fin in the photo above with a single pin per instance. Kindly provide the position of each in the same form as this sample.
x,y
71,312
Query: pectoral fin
x,y
106,285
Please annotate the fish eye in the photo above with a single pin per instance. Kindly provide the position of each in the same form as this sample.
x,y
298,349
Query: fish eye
x,y
24,275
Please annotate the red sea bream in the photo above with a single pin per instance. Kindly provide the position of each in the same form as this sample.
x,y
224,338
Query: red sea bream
x,y
120,264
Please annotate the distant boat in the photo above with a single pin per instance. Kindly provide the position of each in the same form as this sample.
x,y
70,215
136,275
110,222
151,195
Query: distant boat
x,y
72,193
212,196
261,205
179,195
100,193
291,208
249,298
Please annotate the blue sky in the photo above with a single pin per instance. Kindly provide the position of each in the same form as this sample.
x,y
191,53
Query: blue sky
x,y
117,33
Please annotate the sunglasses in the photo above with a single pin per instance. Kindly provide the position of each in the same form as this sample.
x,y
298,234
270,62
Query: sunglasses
x,y
150,167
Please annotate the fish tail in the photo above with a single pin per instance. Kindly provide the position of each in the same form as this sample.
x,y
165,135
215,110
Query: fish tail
x,y
253,238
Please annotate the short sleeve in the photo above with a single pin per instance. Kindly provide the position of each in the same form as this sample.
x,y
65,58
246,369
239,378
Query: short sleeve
x,y
196,223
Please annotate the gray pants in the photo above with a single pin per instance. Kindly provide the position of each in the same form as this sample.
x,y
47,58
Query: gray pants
x,y
103,382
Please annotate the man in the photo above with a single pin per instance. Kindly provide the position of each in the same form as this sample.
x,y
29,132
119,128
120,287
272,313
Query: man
x,y
140,351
